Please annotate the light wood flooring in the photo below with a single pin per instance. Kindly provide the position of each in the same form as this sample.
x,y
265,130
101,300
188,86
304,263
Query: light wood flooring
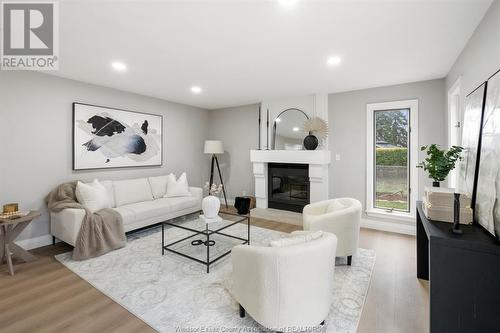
x,y
44,296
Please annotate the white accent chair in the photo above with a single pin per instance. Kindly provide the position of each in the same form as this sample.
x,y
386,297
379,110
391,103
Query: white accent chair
x,y
341,217
287,286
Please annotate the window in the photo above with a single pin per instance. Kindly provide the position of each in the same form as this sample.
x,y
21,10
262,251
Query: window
x,y
392,150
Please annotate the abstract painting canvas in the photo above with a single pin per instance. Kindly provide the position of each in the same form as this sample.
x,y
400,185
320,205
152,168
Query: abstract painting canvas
x,y
487,211
470,141
112,138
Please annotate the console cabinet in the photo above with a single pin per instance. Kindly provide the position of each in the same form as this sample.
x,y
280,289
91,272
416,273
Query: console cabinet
x,y
463,273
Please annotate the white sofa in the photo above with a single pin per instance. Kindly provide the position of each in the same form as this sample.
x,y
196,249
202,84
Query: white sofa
x,y
342,217
139,201
285,287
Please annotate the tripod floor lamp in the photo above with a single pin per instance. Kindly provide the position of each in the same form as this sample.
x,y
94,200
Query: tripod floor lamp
x,y
215,147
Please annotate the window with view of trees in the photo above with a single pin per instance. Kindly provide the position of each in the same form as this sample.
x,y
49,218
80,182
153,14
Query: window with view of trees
x,y
392,149
391,179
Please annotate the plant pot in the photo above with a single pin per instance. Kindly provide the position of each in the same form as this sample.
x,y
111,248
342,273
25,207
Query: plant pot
x,y
435,184
311,142
210,206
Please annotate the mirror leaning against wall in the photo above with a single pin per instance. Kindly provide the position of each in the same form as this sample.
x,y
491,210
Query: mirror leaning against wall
x,y
287,130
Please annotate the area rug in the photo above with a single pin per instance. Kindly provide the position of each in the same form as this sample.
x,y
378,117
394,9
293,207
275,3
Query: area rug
x,y
174,294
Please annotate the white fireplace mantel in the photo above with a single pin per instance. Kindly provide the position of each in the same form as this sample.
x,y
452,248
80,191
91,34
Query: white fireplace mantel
x,y
318,161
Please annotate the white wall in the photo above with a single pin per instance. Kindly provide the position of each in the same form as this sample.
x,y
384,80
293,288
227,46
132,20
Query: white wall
x,y
36,138
480,57
237,127
348,131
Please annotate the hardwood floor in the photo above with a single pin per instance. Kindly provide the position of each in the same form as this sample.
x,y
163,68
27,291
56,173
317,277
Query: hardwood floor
x,y
44,296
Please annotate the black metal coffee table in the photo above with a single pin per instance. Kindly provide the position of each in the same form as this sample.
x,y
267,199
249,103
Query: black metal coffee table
x,y
197,227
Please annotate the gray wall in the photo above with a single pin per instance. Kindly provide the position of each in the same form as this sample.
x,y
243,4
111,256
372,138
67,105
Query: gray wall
x,y
480,58
36,138
238,129
347,122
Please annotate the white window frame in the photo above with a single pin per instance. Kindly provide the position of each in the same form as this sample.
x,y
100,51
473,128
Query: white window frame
x,y
411,104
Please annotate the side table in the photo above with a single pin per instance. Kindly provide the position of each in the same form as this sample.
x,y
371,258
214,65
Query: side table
x,y
9,230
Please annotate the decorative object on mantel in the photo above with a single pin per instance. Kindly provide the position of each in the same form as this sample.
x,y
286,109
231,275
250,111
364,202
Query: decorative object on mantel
x,y
487,204
112,138
215,147
10,228
267,131
286,130
317,128
259,147
211,203
439,162
456,214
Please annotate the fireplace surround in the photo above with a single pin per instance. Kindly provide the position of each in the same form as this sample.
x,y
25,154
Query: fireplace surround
x,y
316,162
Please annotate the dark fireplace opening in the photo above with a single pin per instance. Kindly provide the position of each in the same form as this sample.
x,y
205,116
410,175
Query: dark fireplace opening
x,y
288,187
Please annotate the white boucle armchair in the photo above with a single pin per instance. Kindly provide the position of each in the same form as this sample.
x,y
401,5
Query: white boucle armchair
x,y
287,287
342,217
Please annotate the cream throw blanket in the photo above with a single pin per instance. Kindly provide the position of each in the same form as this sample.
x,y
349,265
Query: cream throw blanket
x,y
99,233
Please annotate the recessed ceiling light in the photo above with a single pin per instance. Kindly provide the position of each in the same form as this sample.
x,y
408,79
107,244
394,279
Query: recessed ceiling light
x,y
333,61
196,90
278,120
288,3
295,129
119,66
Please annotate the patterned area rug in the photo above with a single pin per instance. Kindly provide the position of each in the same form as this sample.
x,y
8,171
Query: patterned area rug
x,y
174,294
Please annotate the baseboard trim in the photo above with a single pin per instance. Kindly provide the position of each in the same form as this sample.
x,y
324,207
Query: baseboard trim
x,y
396,227
36,242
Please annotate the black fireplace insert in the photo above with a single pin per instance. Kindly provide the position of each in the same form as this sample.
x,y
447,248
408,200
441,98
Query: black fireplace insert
x,y
288,187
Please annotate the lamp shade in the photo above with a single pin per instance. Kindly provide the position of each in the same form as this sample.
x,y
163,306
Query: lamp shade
x,y
214,147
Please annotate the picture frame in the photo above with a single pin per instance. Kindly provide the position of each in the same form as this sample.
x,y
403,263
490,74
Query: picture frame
x,y
106,137
487,205
468,167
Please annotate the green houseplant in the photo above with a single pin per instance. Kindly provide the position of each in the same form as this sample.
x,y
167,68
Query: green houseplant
x,y
440,162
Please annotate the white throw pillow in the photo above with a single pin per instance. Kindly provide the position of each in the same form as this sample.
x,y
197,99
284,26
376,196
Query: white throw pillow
x,y
92,196
334,206
158,186
177,188
296,239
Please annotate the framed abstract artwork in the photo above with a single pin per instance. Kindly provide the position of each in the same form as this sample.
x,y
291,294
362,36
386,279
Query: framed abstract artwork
x,y
106,137
467,167
487,208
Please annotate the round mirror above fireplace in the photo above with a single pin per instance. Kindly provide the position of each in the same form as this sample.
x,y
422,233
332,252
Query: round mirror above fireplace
x,y
287,130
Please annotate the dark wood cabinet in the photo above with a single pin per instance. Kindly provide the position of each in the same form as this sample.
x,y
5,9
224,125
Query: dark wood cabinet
x,y
463,273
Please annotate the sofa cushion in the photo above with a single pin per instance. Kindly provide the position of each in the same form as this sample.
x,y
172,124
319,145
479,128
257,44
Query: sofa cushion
x,y
92,196
128,215
296,239
108,184
177,188
132,191
150,209
158,186
179,203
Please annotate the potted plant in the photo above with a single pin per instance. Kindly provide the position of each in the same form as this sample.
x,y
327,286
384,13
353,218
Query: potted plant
x,y
211,203
440,162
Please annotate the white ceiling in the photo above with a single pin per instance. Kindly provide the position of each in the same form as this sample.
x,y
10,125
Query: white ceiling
x,y
242,52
